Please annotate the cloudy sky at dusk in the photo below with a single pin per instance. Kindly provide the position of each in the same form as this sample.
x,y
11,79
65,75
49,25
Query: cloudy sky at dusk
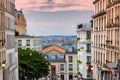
x,y
55,17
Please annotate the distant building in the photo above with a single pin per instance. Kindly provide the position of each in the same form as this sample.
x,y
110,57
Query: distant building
x,y
32,42
84,47
20,22
63,63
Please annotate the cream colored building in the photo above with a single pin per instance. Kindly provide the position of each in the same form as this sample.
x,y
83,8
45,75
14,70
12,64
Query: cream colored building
x,y
11,70
106,38
84,46
20,22
2,37
32,42
63,64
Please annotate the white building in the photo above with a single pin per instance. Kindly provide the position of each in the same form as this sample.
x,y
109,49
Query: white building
x,y
84,39
32,42
63,64
11,70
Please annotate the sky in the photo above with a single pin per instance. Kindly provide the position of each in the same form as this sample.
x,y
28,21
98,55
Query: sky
x,y
55,17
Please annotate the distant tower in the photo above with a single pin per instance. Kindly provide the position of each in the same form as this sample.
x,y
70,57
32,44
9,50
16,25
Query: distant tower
x,y
20,22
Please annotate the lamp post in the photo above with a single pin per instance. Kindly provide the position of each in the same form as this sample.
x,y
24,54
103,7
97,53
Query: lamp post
x,y
3,65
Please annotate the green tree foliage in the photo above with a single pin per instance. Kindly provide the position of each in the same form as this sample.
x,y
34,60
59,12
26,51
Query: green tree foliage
x,y
32,64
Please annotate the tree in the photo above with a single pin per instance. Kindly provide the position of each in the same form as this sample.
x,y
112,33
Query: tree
x,y
32,64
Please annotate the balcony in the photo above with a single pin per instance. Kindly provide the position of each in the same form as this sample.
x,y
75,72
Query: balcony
x,y
95,1
99,14
111,65
56,60
110,25
88,51
112,3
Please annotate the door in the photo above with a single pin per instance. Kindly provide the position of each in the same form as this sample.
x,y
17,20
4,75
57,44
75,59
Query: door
x,y
70,77
62,77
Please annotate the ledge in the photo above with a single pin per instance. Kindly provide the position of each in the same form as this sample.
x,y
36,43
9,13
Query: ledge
x,y
110,25
113,3
95,1
99,14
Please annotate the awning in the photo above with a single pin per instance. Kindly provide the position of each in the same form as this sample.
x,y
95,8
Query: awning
x,y
111,65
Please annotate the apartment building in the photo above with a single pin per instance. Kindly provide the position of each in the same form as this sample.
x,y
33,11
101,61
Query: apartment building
x,y
112,38
2,39
20,22
84,47
63,63
11,72
32,42
106,38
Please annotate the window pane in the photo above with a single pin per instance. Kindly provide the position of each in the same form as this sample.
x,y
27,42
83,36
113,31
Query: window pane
x,y
88,58
19,42
89,34
28,43
88,46
53,57
70,59
70,67
61,57
61,67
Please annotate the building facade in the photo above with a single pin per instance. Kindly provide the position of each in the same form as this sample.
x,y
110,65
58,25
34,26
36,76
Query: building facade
x,y
99,33
11,70
20,22
84,43
106,38
112,38
2,38
63,64
32,42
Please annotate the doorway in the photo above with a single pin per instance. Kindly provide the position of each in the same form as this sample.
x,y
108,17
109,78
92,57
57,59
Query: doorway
x,y
62,77
70,77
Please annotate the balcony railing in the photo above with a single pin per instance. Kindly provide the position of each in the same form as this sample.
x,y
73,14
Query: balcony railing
x,y
88,51
99,14
112,3
110,25
95,1
55,60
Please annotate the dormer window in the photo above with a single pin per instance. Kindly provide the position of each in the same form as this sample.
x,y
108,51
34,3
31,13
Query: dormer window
x,y
53,57
70,49
62,57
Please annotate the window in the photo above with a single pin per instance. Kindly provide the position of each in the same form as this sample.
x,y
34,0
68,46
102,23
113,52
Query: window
x,y
19,42
27,42
70,67
10,59
88,58
70,58
62,58
53,57
61,67
88,46
70,49
89,34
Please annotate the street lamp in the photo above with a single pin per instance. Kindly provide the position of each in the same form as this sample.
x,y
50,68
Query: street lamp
x,y
3,65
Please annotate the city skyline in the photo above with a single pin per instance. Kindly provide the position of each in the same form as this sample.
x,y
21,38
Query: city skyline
x,y
55,17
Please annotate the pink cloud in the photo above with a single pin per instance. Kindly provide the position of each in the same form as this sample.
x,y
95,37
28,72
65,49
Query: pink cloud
x,y
54,5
